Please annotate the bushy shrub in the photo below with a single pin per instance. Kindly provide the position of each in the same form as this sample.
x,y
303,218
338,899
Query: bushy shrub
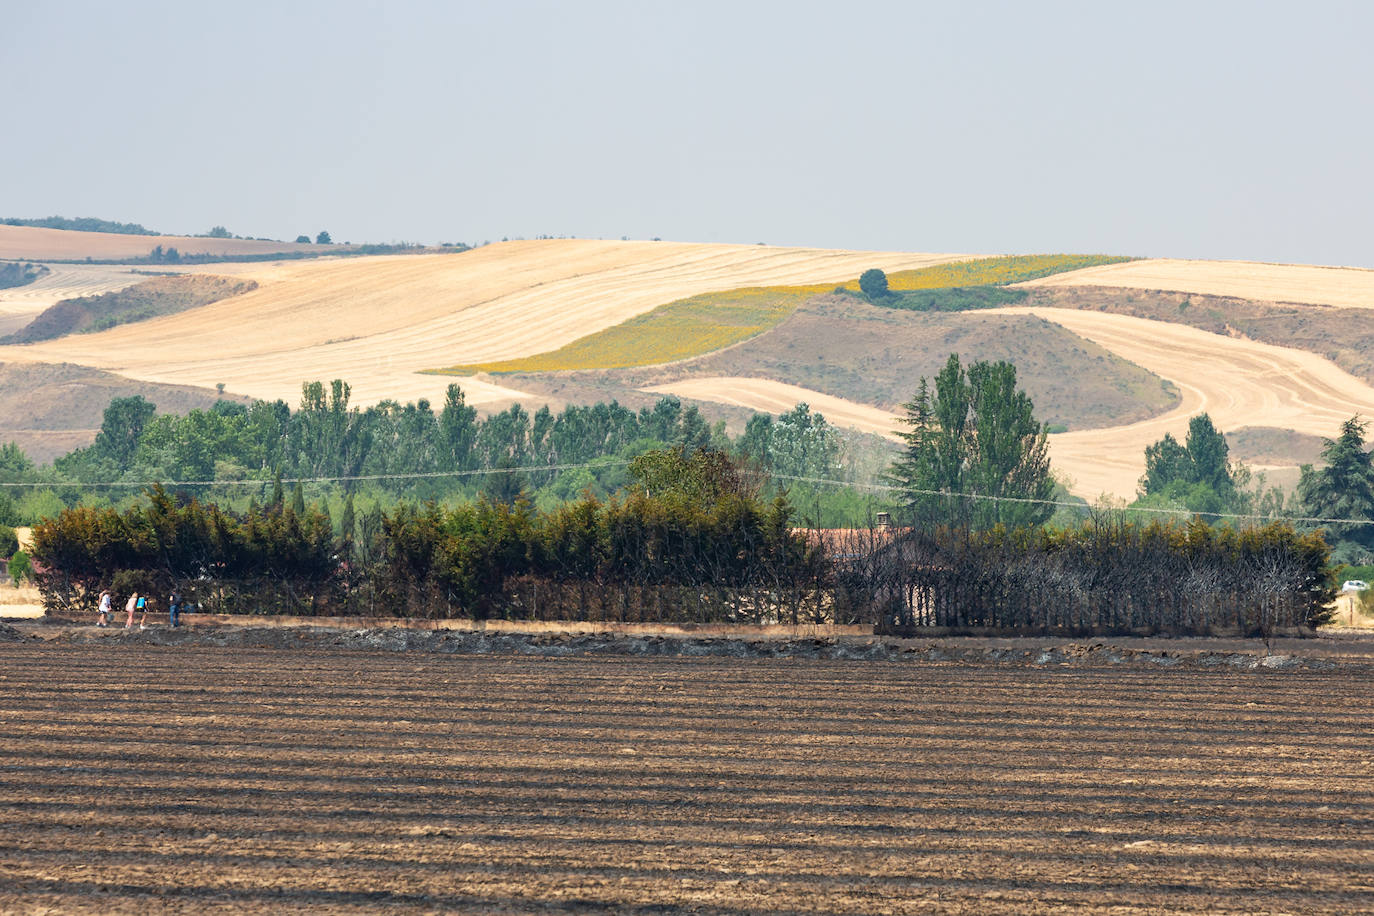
x,y
20,569
9,541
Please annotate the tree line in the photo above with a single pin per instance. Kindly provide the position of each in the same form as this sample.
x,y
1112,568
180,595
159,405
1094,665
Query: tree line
x,y
390,451
689,529
689,539
1110,576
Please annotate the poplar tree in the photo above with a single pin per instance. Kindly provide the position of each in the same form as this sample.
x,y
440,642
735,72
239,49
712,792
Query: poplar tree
x,y
976,437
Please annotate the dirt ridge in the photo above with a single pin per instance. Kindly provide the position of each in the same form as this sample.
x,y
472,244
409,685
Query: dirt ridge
x,y
1019,652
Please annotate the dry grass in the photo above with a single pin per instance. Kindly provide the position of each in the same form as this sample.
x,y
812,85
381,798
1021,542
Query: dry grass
x,y
19,304
21,602
993,271
707,323
31,243
677,331
378,321
1350,287
1240,383
767,396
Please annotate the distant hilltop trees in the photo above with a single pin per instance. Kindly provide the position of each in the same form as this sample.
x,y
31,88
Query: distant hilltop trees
x,y
81,224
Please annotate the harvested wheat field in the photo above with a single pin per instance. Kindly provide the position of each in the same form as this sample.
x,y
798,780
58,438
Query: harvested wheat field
x,y
33,243
1237,382
1350,287
19,304
379,321
145,779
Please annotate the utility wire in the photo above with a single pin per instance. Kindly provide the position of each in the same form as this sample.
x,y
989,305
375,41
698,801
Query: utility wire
x,y
405,475
620,462
1309,520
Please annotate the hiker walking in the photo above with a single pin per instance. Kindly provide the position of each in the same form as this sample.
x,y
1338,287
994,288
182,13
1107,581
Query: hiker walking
x,y
129,606
106,612
143,606
174,607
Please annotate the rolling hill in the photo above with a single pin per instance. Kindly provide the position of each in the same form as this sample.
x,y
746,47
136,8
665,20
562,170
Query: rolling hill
x,y
380,322
33,243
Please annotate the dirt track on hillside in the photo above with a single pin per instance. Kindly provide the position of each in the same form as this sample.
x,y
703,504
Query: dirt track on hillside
x,y
1349,287
376,322
155,779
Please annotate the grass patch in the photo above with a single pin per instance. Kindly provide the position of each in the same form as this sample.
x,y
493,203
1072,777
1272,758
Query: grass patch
x,y
677,331
953,299
992,271
703,324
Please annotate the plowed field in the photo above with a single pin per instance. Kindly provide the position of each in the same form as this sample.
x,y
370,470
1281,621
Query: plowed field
x,y
178,779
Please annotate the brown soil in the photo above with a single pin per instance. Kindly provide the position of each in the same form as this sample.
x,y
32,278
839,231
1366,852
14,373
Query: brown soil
x,y
841,346
38,244
141,778
1349,287
51,409
149,299
1265,445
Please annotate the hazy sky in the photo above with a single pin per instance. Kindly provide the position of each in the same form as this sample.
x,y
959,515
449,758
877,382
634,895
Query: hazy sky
x,y
1214,130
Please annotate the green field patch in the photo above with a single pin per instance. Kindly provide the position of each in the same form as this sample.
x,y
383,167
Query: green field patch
x,y
992,271
952,299
680,330
703,324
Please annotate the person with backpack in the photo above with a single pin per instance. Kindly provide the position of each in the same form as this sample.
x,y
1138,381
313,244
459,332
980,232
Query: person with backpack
x,y
143,606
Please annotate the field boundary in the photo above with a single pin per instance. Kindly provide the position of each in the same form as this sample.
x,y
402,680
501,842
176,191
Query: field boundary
x,y
504,638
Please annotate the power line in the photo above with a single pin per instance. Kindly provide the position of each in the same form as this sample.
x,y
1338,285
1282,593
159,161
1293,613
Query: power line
x,y
620,462
255,482
976,497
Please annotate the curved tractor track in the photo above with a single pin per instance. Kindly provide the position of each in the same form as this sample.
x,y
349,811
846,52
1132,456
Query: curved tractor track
x,y
1237,382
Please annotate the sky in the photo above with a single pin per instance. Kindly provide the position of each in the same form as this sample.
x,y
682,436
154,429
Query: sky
x,y
1194,130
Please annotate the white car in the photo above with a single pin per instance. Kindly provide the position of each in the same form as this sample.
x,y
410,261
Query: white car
x,y
1354,585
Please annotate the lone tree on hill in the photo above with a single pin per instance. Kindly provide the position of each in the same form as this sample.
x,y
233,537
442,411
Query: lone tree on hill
x,y
977,437
323,238
302,240
873,283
